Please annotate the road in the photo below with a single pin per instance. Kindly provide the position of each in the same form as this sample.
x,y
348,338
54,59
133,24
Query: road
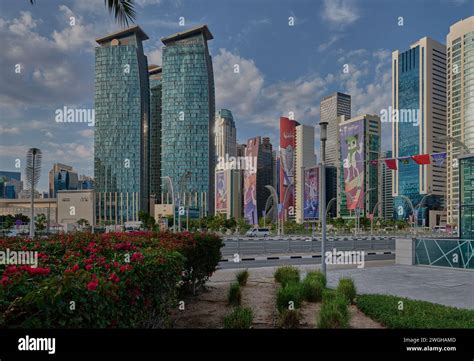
x,y
273,251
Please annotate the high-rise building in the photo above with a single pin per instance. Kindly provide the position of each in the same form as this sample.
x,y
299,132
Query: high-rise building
x,y
188,112
229,193
387,196
155,73
466,196
304,158
85,182
331,108
360,181
10,184
121,101
419,126
225,135
331,190
460,105
287,166
255,180
62,177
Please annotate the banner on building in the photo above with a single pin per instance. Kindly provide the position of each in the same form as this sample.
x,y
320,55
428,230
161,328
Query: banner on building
x,y
287,162
250,184
352,155
311,194
221,191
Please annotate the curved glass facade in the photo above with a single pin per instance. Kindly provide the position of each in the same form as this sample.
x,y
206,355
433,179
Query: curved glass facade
x,y
121,150
188,111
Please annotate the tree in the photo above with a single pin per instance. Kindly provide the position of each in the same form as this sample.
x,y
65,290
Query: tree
x,y
123,10
147,220
40,222
83,222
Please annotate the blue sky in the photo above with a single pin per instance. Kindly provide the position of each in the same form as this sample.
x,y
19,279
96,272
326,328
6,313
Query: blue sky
x,y
282,68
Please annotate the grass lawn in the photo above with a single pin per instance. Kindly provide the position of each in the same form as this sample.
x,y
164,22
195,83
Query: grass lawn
x,y
415,314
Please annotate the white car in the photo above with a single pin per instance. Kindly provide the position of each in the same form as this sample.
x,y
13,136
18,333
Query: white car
x,y
258,232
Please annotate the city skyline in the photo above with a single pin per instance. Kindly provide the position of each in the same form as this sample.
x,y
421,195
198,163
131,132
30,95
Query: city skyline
x,y
258,102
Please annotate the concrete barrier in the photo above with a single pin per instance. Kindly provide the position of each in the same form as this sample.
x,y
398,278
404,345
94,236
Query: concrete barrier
x,y
405,251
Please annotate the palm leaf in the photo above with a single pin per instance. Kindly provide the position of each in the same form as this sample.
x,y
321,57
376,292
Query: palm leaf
x,y
123,10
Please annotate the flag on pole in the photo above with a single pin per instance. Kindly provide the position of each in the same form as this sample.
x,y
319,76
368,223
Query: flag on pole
x,y
438,158
421,159
391,163
404,160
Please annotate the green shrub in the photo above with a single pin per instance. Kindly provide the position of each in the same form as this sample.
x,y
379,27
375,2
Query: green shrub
x,y
347,288
291,292
287,274
318,276
242,277
289,319
415,314
240,317
312,289
334,312
234,297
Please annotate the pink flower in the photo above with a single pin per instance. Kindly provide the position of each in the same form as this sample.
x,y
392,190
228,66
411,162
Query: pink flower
x,y
92,285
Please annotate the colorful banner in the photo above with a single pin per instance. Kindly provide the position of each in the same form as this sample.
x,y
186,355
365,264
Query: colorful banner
x,y
311,194
352,153
221,192
250,184
438,158
287,162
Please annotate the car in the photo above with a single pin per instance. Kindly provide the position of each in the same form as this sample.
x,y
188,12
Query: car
x,y
258,232
439,229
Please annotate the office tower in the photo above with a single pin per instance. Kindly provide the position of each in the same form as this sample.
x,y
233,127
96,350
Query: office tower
x,y
387,196
287,167
225,135
419,126
331,191
85,182
466,196
359,189
62,177
304,158
331,108
460,104
10,184
155,73
188,112
121,152
229,193
241,150
255,193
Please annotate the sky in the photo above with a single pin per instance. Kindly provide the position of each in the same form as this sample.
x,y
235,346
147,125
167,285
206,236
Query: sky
x,y
291,53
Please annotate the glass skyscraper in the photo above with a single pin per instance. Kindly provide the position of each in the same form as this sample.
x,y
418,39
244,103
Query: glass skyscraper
x,y
419,97
62,177
188,112
155,73
121,153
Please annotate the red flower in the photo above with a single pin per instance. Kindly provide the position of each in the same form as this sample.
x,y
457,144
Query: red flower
x,y
114,278
125,268
88,267
137,257
4,281
92,285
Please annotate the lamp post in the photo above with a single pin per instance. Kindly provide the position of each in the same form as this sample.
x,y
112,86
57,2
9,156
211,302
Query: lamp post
x,y
323,136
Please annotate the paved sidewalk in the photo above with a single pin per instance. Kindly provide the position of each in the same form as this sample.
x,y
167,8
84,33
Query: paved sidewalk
x,y
437,285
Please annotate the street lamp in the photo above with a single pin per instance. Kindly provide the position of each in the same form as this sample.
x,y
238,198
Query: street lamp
x,y
323,136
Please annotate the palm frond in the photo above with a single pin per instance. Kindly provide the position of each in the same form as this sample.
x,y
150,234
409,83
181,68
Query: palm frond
x,y
123,10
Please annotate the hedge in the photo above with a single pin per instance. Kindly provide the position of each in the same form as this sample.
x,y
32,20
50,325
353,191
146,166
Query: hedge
x,y
103,280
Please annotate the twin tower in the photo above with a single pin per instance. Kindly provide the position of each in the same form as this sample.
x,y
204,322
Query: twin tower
x,y
153,125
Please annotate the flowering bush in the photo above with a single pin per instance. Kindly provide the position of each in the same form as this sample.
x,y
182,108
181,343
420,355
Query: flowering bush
x,y
103,280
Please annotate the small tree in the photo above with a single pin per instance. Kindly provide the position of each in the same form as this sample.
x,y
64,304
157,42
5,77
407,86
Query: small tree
x,y
40,222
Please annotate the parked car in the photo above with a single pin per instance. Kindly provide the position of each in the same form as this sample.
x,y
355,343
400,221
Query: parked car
x,y
258,232
439,229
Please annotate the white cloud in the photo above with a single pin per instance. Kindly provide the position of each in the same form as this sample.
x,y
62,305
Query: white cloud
x,y
88,133
154,57
5,130
340,13
76,35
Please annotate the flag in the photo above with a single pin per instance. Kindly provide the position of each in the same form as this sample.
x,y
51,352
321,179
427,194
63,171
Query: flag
x,y
438,158
374,162
421,159
391,163
404,160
